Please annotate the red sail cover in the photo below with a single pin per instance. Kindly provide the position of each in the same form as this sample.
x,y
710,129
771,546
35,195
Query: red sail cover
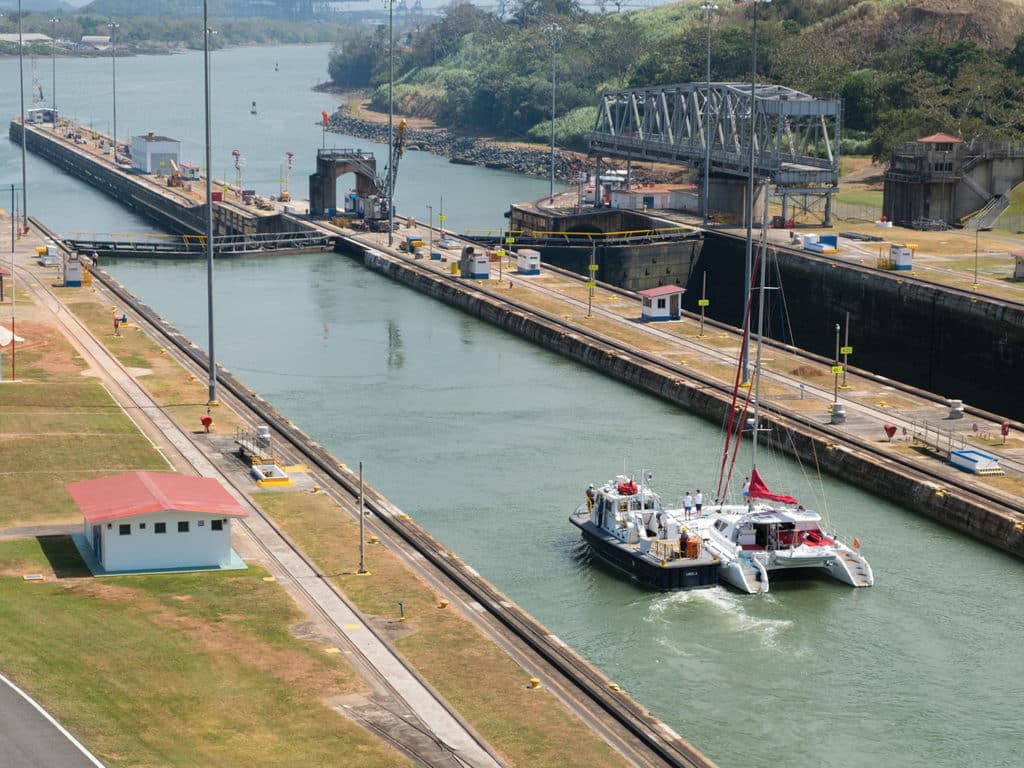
x,y
758,490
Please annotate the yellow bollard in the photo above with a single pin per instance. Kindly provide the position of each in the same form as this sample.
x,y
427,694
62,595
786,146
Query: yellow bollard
x,y
373,539
534,682
443,603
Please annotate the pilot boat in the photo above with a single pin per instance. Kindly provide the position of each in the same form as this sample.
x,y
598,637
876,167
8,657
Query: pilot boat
x,y
626,526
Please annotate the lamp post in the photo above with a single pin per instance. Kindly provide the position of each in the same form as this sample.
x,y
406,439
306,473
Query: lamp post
x,y
53,68
21,84
391,121
212,376
113,26
553,30
976,231
835,369
708,9
749,265
430,232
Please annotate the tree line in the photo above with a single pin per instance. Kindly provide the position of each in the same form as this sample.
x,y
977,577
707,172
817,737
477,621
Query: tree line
x,y
477,71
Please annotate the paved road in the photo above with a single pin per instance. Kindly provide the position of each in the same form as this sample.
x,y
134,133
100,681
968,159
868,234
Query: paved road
x,y
30,738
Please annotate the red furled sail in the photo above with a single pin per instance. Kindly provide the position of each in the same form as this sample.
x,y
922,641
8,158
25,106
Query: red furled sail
x,y
758,490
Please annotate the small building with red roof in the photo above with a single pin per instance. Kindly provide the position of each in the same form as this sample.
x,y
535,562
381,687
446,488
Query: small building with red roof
x,y
661,303
155,521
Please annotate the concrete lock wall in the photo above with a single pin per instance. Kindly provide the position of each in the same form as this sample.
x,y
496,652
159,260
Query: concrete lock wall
x,y
833,452
168,211
954,344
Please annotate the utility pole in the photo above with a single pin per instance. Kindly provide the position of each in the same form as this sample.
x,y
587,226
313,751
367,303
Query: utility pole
x,y
836,368
211,397
113,75
391,121
708,9
749,265
53,68
362,514
553,30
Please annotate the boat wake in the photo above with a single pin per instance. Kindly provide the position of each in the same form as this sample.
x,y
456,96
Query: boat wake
x,y
726,606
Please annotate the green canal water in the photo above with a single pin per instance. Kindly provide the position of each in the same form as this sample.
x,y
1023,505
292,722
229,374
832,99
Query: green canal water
x,y
488,442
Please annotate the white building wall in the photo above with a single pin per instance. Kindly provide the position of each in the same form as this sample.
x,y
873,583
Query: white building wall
x,y
145,549
147,154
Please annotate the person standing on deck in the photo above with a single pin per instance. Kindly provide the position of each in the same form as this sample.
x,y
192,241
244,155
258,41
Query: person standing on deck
x,y
698,501
746,491
687,504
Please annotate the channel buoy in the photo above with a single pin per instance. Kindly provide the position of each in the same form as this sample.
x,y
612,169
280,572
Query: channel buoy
x,y
252,109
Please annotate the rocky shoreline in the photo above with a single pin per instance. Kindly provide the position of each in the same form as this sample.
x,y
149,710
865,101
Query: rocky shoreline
x,y
466,150
471,150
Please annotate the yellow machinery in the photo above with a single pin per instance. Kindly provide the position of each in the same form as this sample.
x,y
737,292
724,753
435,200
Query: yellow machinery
x,y
174,179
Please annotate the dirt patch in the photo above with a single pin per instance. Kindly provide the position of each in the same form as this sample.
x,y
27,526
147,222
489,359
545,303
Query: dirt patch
x,y
55,355
104,590
807,372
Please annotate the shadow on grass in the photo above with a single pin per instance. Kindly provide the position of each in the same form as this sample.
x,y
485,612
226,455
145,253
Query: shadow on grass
x,y
64,559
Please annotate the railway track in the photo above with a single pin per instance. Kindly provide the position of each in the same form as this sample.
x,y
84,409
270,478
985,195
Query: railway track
x,y
637,734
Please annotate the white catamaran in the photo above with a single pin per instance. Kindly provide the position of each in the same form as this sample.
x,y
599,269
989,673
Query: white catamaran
x,y
772,532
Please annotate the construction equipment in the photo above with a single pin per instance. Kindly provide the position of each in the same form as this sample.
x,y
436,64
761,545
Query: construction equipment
x,y
385,187
174,178
286,173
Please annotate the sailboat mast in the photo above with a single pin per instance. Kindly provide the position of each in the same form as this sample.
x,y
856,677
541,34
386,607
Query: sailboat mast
x,y
760,328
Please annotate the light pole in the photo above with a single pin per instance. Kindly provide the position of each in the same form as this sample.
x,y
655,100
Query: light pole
x,y
749,265
553,30
24,133
53,67
708,9
212,377
391,121
835,369
113,26
430,232
976,231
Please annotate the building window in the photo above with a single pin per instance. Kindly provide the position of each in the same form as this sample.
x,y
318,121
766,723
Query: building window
x,y
183,526
202,523
124,529
142,526
159,527
661,303
217,525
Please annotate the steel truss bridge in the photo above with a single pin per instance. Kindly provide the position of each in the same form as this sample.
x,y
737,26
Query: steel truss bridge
x,y
796,136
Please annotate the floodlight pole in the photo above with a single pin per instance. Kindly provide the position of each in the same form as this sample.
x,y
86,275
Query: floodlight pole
x,y
24,131
391,121
113,26
53,68
749,264
212,377
708,9
553,30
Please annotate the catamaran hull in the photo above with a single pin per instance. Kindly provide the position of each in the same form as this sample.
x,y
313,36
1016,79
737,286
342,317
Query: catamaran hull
x,y
674,575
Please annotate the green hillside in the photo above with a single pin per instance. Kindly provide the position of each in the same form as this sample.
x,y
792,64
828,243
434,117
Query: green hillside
x,y
902,67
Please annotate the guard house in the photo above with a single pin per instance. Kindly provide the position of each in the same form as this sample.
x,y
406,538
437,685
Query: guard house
x,y
1018,270
938,180
661,303
41,115
640,198
152,153
528,261
474,265
155,521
